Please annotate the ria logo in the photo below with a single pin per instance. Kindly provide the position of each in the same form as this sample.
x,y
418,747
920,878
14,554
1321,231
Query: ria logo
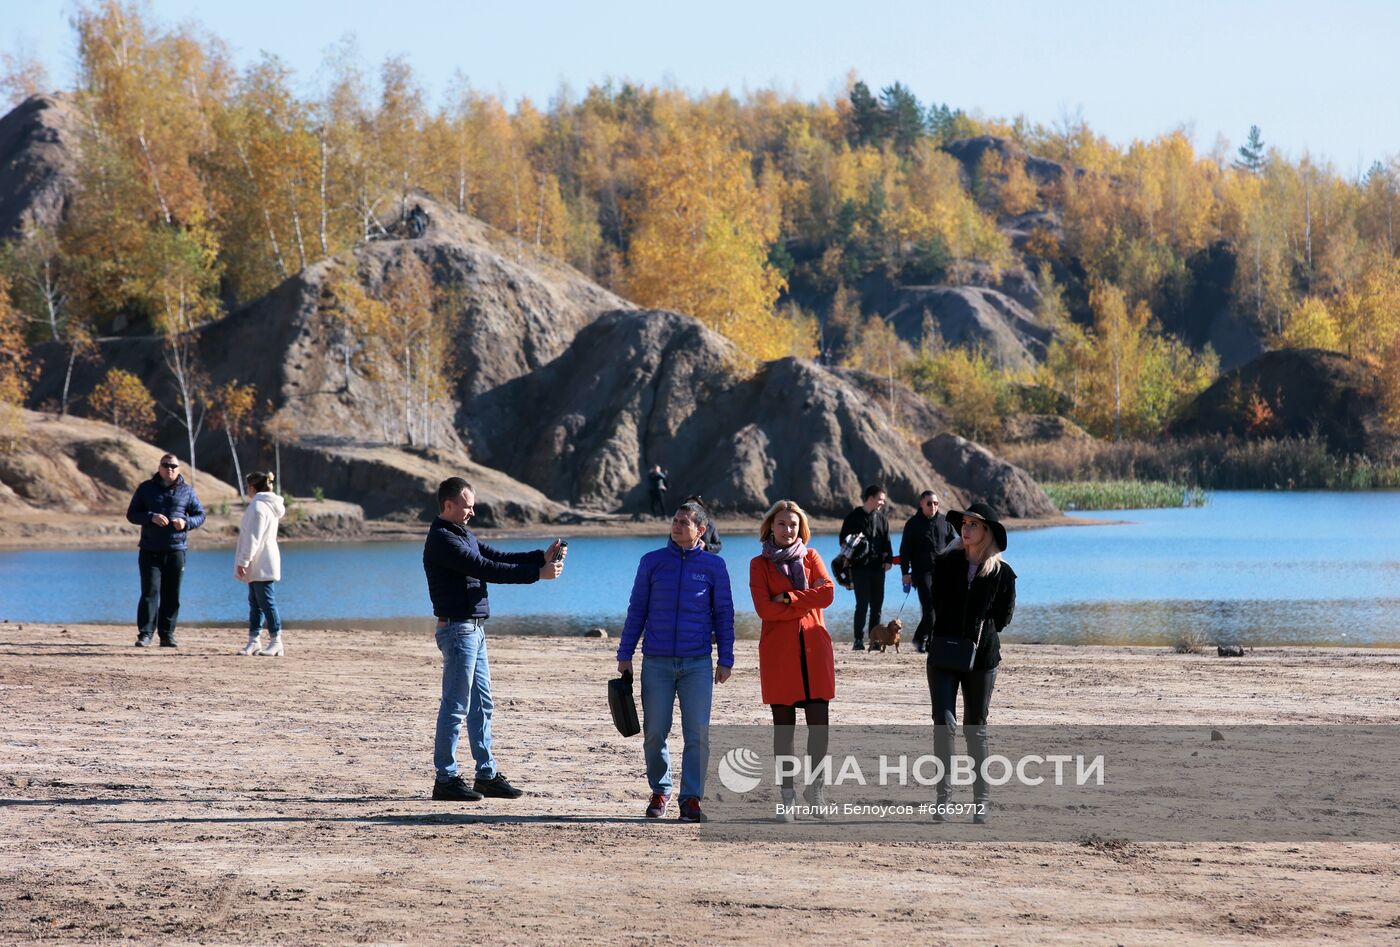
x,y
739,770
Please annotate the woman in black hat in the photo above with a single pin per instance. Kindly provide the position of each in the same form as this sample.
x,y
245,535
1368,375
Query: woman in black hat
x,y
974,594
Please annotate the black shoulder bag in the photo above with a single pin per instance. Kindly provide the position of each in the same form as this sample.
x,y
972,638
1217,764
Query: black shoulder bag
x,y
955,654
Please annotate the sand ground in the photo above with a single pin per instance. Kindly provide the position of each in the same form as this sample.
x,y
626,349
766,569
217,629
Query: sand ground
x,y
196,796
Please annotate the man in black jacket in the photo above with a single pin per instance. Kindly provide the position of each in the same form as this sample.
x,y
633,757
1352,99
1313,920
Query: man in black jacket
x,y
870,559
926,534
166,508
458,568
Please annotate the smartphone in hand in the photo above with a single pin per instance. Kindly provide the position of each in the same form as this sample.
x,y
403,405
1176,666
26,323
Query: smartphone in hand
x,y
563,545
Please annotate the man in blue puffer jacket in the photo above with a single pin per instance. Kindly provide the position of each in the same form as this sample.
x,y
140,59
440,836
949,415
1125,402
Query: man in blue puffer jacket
x,y
681,604
166,509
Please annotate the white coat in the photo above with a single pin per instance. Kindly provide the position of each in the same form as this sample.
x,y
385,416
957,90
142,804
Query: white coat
x,y
257,539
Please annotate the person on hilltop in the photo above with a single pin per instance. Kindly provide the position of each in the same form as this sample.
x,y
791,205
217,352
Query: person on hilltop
x,y
926,535
258,561
458,567
656,490
166,508
681,602
796,667
710,540
869,559
975,592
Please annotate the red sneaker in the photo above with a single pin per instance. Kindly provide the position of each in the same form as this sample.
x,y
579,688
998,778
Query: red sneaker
x,y
690,811
656,806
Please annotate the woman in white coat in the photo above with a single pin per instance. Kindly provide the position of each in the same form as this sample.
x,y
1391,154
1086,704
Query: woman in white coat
x,y
259,563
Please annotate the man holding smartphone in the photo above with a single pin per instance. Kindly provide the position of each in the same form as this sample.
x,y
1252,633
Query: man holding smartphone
x,y
458,567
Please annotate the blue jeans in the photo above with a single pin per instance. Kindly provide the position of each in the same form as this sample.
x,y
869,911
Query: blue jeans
x,y
662,680
466,693
262,601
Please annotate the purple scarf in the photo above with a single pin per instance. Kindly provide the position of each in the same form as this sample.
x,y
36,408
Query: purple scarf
x,y
789,561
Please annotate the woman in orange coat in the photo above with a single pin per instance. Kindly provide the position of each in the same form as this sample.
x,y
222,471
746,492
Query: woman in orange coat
x,y
790,587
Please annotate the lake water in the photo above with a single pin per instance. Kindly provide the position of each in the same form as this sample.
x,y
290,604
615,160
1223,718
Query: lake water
x,y
1250,568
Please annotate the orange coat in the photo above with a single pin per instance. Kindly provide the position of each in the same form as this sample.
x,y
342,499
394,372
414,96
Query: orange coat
x,y
795,662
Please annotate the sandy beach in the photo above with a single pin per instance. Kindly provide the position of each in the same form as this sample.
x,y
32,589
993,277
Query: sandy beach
x,y
195,796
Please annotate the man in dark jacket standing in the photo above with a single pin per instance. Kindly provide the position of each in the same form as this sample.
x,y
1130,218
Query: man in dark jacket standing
x,y
458,568
926,535
166,509
869,560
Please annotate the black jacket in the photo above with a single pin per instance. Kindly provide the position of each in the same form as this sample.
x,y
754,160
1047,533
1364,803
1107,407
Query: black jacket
x,y
458,568
960,609
711,538
877,550
175,501
923,541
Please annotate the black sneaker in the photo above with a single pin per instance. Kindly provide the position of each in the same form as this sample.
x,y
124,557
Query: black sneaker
x,y
169,642
143,641
497,787
455,790
859,645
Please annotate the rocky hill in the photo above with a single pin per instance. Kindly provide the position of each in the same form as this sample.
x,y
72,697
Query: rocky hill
x,y
643,388
37,142
1294,393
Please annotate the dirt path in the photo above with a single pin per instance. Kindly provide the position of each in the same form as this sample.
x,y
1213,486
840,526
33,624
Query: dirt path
x,y
200,797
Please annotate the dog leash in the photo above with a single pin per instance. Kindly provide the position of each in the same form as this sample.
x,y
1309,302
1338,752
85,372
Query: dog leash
x,y
903,603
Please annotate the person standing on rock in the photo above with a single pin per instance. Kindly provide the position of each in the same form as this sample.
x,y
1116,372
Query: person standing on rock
x,y
458,568
166,508
681,602
926,535
869,559
796,668
258,561
975,592
656,488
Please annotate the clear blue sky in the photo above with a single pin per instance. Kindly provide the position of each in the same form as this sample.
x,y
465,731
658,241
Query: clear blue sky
x,y
1316,76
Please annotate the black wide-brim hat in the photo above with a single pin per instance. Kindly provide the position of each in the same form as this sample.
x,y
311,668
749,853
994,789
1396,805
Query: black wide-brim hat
x,y
984,513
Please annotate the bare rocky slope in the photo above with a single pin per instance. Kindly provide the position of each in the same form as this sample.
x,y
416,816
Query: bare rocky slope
x,y
643,388
38,140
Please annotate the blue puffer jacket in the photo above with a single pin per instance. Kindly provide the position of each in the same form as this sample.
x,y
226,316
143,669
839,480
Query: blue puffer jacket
x,y
177,500
683,603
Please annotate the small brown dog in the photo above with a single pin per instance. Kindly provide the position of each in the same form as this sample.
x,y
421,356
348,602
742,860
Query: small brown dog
x,y
886,635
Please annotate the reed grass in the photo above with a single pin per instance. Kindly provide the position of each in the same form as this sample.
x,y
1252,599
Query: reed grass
x,y
1122,495
1207,463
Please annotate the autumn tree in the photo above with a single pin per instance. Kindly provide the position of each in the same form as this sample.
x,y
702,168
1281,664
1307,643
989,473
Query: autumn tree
x,y
41,279
232,410
14,368
1311,326
121,399
701,237
353,317
178,280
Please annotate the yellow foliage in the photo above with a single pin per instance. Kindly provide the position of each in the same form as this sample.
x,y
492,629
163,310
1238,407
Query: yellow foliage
x,y
1311,326
701,237
123,400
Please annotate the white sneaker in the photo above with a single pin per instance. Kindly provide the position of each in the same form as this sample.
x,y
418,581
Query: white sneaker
x,y
274,648
253,646
785,814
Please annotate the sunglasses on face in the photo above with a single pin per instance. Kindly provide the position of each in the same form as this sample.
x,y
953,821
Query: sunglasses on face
x,y
171,466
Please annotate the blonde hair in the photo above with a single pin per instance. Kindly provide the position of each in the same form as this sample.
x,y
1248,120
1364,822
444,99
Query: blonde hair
x,y
990,564
804,529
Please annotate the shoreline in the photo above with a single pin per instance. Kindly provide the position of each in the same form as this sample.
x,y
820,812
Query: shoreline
x,y
109,530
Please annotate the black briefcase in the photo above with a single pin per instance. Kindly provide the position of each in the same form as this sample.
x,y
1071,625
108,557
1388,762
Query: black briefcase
x,y
623,705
